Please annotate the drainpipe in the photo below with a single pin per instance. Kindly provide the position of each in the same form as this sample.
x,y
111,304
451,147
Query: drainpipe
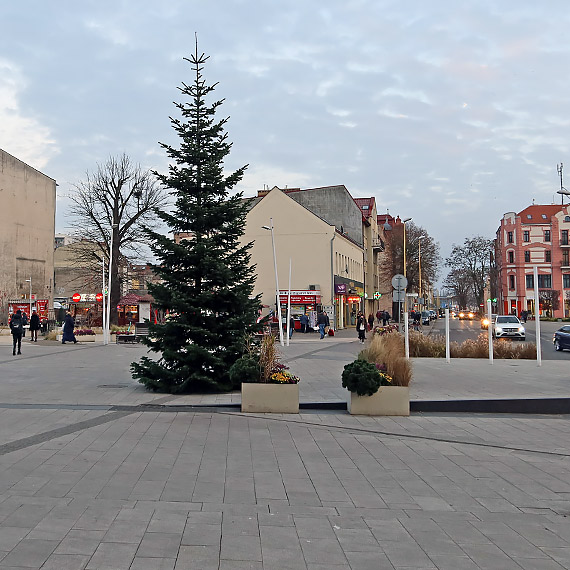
x,y
333,304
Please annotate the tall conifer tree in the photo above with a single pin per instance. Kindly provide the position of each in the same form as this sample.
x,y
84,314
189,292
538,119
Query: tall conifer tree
x,y
207,277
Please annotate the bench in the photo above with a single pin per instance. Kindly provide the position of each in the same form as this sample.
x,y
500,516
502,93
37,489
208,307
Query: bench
x,y
126,338
141,329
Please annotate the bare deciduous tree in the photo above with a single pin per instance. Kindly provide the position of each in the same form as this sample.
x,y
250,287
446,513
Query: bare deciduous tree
x,y
109,209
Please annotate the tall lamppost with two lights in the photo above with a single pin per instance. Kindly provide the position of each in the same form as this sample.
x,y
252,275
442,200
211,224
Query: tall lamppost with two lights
x,y
405,295
420,267
277,298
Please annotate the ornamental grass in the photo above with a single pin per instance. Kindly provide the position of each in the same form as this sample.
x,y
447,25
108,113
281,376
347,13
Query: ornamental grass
x,y
387,352
433,346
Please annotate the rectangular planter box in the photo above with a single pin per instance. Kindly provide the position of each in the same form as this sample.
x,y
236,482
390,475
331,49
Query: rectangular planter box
x,y
388,401
85,338
270,398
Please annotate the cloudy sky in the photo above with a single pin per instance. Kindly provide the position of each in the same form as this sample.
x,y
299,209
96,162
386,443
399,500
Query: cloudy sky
x,y
451,112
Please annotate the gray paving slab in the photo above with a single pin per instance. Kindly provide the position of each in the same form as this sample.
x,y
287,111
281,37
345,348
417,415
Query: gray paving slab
x,y
85,486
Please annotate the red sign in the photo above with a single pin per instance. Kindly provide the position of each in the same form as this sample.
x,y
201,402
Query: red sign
x,y
308,297
42,309
99,297
76,298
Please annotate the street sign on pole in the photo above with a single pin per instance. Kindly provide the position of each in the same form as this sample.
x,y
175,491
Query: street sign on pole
x,y
398,296
399,282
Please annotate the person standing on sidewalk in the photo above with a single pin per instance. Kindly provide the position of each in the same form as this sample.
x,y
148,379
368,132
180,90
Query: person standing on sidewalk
x,y
304,320
322,323
68,326
17,329
34,326
361,327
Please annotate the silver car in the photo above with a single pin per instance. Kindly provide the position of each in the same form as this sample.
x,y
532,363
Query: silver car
x,y
508,326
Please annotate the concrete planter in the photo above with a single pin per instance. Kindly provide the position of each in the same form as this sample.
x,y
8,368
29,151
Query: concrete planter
x,y
86,338
270,398
388,401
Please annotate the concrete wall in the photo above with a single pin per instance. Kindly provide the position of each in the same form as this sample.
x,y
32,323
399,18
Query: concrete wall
x,y
336,205
27,229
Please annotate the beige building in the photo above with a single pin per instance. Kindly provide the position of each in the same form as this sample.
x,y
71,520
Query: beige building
x,y
27,229
322,258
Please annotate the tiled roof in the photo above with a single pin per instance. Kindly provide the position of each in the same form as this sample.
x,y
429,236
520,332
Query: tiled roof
x,y
536,212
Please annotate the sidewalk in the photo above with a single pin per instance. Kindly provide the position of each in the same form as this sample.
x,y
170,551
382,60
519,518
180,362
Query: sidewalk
x,y
91,478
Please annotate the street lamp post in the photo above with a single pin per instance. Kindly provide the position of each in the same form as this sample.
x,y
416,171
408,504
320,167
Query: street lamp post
x,y
30,313
405,295
103,316
108,327
420,267
277,299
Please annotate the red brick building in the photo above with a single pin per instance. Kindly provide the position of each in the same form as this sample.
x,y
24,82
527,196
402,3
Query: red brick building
x,y
536,236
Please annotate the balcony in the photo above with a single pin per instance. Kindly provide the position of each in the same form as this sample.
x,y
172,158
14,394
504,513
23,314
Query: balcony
x,y
377,245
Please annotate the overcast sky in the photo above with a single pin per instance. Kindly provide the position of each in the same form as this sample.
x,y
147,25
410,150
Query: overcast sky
x,y
451,112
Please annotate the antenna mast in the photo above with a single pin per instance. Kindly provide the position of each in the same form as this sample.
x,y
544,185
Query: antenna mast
x,y
563,192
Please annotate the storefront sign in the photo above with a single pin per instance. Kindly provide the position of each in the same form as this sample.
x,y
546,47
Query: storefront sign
x,y
86,297
99,297
300,297
76,298
340,288
353,299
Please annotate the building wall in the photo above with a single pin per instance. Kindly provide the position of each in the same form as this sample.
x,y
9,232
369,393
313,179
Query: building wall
x,y
315,248
513,269
27,229
335,205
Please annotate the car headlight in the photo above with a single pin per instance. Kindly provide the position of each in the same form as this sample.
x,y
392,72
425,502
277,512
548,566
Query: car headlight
x,y
521,328
498,329
485,322
470,315
461,315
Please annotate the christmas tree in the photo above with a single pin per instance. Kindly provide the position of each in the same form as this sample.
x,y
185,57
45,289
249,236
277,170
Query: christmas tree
x,y
207,279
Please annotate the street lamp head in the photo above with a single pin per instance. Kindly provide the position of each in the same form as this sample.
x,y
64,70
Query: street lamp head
x,y
406,220
422,236
265,228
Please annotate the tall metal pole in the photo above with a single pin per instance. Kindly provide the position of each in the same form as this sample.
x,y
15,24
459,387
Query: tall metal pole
x,y
537,318
490,330
103,317
405,295
289,305
277,298
110,281
30,313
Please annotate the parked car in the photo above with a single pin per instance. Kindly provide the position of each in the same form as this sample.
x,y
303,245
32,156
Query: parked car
x,y
508,326
426,318
466,315
561,338
432,314
485,321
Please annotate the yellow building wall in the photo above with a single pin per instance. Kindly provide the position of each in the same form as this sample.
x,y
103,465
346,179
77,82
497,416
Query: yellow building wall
x,y
306,240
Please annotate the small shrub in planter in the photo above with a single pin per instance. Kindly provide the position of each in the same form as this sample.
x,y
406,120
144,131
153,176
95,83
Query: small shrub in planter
x,y
84,332
364,378
244,369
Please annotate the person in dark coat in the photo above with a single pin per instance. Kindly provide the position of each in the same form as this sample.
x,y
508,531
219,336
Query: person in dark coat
x,y
370,321
361,327
68,326
304,320
34,326
322,319
17,330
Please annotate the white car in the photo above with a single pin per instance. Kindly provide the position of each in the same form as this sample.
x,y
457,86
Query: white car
x,y
508,326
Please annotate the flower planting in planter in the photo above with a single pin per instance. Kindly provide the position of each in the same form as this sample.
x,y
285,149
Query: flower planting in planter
x,y
378,380
266,384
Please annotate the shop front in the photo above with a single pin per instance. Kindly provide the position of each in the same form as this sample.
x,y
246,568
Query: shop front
x,y
87,309
348,300
135,309
303,302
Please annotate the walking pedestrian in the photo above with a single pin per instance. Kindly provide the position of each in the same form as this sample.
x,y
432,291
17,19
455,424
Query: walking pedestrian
x,y
379,315
34,326
322,323
370,321
291,327
304,320
68,326
361,327
17,330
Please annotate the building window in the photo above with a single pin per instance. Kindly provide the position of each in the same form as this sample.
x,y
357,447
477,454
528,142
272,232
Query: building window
x,y
526,235
530,281
545,281
547,256
546,235
511,281
565,260
509,237
527,256
511,257
564,237
566,281
567,218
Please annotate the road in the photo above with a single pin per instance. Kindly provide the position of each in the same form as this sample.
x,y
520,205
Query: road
x,y
463,330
